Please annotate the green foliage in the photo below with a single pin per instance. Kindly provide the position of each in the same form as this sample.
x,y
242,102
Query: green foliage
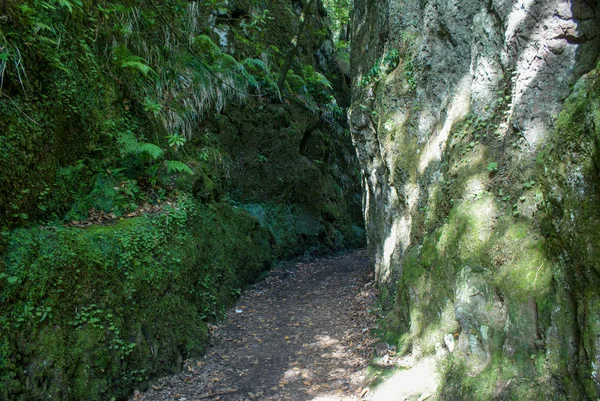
x,y
391,59
86,294
131,99
314,91
69,5
136,63
409,75
176,141
528,184
29,116
315,80
148,154
342,56
207,48
175,166
258,21
339,12
259,76
492,167
381,68
152,106
127,80
129,145
11,56
112,193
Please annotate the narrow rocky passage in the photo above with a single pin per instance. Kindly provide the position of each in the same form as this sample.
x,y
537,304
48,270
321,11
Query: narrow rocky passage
x,y
301,334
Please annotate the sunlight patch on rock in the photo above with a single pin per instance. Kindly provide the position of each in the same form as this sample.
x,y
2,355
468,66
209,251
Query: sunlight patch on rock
x,y
460,107
419,381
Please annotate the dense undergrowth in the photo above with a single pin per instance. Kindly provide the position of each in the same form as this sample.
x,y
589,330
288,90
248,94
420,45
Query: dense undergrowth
x,y
162,124
91,313
115,87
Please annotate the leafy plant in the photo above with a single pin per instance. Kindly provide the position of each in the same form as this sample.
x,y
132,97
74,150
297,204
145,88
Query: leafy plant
x,y
176,141
258,20
382,67
315,91
136,63
175,166
528,184
151,106
339,12
492,167
129,145
409,75
10,55
70,5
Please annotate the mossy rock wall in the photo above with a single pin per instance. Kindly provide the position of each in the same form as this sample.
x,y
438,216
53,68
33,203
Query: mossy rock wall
x,y
66,103
571,173
481,191
94,313
297,173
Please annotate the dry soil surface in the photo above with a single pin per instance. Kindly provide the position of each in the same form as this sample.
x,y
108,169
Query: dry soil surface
x,y
301,334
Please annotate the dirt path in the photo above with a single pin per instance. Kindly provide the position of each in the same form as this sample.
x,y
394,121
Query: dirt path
x,y
302,334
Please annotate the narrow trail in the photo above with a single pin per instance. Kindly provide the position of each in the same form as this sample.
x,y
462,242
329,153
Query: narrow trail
x,y
301,334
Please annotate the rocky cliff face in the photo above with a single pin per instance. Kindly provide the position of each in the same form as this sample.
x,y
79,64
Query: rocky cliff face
x,y
481,185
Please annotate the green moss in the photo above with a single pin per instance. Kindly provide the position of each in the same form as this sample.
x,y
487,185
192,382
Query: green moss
x,y
207,47
91,313
94,312
529,275
503,379
571,171
466,234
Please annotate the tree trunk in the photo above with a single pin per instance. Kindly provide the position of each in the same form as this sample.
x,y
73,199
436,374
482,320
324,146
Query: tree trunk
x,y
292,53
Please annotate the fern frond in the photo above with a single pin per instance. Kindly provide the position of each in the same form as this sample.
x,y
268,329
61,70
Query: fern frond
x,y
320,78
128,144
255,66
39,26
151,150
69,4
175,166
314,78
136,64
295,81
